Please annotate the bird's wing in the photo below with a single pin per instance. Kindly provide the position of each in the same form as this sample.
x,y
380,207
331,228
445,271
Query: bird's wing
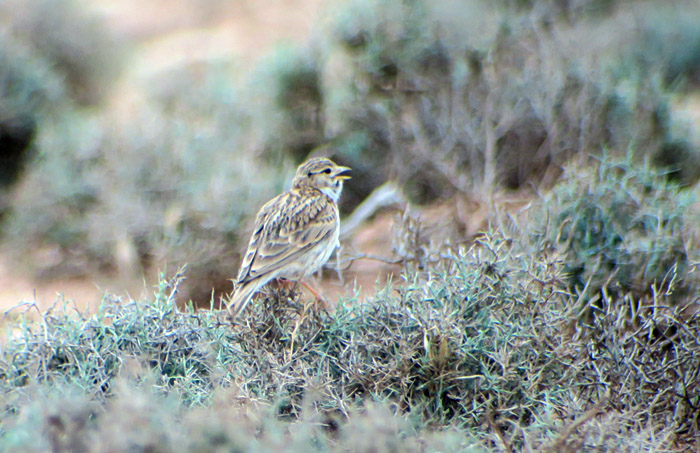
x,y
286,227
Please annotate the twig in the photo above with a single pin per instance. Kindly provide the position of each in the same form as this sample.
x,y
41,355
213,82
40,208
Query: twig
x,y
369,256
346,262
497,429
385,195
560,441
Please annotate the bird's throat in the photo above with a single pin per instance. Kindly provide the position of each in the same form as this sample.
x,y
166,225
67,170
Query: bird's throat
x,y
333,192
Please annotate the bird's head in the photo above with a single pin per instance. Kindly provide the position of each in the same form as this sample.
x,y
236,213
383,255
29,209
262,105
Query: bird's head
x,y
322,174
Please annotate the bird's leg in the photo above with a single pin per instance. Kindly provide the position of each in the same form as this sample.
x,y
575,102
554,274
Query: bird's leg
x,y
284,287
288,284
316,294
285,283
287,288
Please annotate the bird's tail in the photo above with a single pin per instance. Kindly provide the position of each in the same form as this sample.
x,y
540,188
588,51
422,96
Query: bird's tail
x,y
242,296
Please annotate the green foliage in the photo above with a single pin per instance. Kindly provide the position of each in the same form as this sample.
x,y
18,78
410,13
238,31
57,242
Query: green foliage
x,y
137,419
29,85
289,81
622,230
47,61
175,183
669,42
486,341
50,203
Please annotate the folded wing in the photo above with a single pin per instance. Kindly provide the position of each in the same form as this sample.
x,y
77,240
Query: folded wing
x,y
286,227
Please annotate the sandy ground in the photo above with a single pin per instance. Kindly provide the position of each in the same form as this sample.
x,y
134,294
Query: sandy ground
x,y
17,289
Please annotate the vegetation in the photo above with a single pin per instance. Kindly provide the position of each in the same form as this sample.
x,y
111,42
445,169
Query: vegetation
x,y
74,43
488,345
572,325
29,90
393,89
624,229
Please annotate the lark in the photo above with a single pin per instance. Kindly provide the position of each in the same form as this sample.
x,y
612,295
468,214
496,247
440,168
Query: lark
x,y
295,233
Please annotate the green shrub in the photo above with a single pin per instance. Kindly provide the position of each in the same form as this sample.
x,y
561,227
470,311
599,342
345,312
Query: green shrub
x,y
138,419
486,341
447,102
47,61
49,206
669,42
30,87
623,230
285,90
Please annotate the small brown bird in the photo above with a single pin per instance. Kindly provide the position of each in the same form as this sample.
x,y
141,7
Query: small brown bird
x,y
295,233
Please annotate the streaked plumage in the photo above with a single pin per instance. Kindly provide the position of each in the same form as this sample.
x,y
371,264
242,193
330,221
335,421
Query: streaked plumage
x,y
295,233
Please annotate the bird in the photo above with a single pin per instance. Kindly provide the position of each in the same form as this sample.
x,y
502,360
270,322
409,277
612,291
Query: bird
x,y
295,233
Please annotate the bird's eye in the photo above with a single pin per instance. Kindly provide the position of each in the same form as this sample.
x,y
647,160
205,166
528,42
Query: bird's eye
x,y
327,171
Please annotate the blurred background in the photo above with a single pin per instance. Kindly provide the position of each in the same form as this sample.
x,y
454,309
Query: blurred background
x,y
137,137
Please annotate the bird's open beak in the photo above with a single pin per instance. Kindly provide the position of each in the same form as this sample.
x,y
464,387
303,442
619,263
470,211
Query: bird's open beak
x,y
341,172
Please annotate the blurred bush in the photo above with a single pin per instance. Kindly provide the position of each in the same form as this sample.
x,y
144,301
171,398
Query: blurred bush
x,y
669,43
29,92
445,98
127,198
448,103
286,87
173,185
73,41
624,232
138,419
47,62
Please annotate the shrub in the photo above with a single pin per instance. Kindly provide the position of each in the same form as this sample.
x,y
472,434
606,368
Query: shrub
x,y
623,230
74,42
286,87
137,419
49,206
448,103
47,61
669,43
487,341
30,91
184,197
